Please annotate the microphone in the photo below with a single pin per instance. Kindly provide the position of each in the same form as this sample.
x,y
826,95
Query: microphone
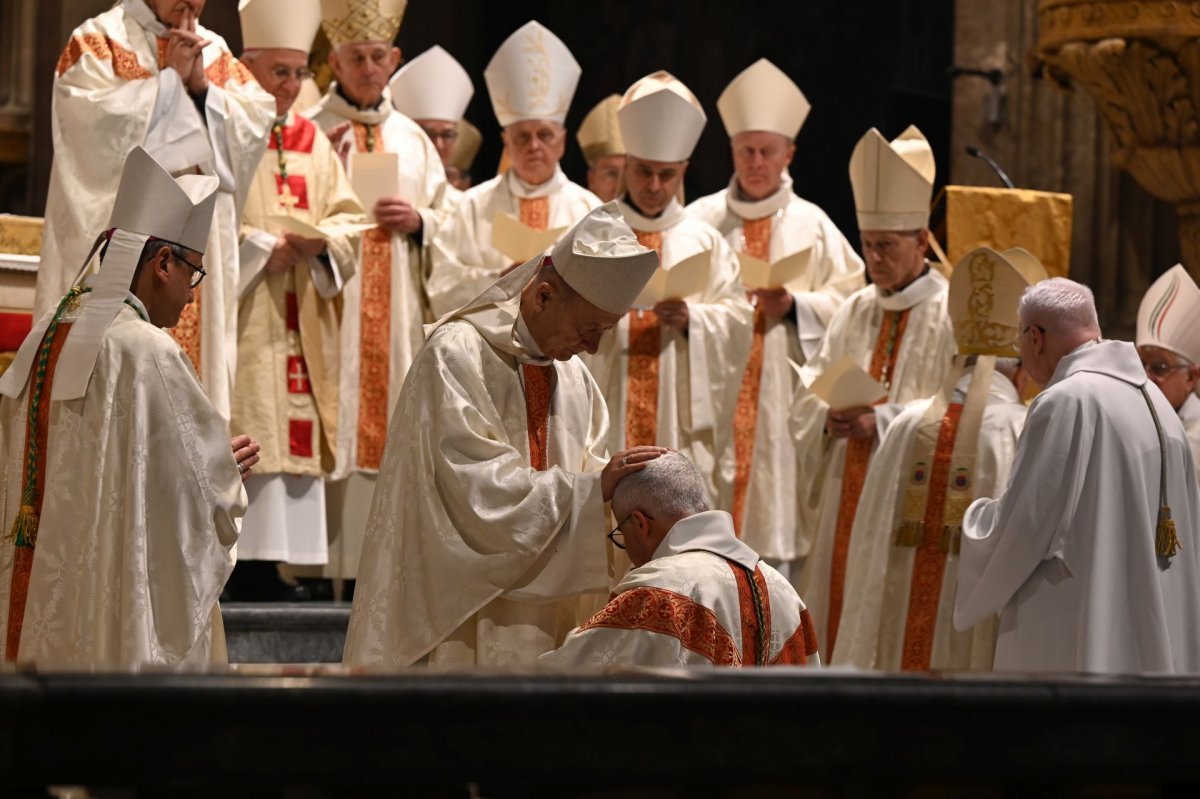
x,y
975,152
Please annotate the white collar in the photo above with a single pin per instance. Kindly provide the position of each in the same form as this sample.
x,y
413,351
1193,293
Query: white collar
x,y
710,531
529,191
1189,411
672,215
336,104
145,17
1117,359
915,293
757,209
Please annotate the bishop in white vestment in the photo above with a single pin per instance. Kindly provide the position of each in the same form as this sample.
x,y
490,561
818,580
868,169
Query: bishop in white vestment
x,y
488,521
762,218
135,75
671,369
121,494
599,138
897,331
1091,553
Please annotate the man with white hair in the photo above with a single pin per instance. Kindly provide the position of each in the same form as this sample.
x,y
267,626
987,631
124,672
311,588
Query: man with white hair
x,y
1090,555
1168,342
696,595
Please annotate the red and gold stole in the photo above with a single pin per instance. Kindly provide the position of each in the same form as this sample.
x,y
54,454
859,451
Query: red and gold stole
x,y
645,341
375,325
535,212
539,388
757,234
854,473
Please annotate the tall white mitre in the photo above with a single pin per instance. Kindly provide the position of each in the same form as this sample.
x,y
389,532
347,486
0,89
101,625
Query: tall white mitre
x,y
279,24
149,204
892,181
532,76
1169,316
599,132
361,21
984,293
601,259
432,86
660,118
762,97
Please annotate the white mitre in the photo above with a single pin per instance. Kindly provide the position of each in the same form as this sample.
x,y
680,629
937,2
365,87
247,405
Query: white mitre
x,y
279,24
432,86
149,204
601,259
660,118
532,76
599,132
983,298
1169,316
763,97
892,181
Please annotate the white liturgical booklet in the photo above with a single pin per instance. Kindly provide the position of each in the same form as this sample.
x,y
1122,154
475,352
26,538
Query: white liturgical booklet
x,y
519,241
280,224
374,176
784,273
688,278
845,385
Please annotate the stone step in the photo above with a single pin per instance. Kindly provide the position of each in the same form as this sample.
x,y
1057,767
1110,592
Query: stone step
x,y
285,632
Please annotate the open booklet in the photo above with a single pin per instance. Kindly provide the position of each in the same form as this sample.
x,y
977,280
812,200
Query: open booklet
x,y
688,278
280,224
373,177
845,385
759,274
518,241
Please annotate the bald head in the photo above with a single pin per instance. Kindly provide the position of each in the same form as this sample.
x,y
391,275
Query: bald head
x,y
1056,316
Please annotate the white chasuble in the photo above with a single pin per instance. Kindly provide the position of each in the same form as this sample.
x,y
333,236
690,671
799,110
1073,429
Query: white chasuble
x,y
463,260
139,513
474,555
704,599
1189,414
677,388
1067,553
777,227
899,596
905,341
111,94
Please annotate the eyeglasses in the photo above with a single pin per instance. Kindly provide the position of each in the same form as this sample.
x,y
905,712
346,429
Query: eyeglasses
x,y
616,531
547,136
1016,342
450,135
198,272
282,73
1162,368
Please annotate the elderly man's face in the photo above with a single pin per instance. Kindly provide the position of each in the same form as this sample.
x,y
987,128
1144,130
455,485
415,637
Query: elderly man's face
x,y
443,134
534,147
1170,372
362,70
759,161
280,72
604,176
564,324
170,12
894,259
653,184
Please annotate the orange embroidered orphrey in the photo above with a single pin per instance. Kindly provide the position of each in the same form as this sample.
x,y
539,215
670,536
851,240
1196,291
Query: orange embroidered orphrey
x,y
535,212
757,235
364,137
18,591
658,610
751,631
801,646
539,386
641,393
858,457
375,323
187,331
125,63
929,563
225,69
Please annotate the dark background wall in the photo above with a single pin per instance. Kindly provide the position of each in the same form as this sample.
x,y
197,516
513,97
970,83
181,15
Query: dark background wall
x,y
860,63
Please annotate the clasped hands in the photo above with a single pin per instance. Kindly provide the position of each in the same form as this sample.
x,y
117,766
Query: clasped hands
x,y
851,422
290,250
185,54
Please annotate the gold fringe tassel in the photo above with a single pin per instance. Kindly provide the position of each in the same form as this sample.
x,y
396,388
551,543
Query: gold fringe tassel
x,y
24,529
1166,542
909,534
951,540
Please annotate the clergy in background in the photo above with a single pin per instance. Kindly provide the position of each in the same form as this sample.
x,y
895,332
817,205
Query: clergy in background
x,y
531,80
692,595
1168,342
599,138
384,305
1091,553
122,496
897,331
433,90
147,73
288,318
488,522
760,216
937,455
671,369
462,159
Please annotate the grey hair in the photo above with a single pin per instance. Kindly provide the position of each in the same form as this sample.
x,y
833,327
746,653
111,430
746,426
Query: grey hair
x,y
669,487
1059,305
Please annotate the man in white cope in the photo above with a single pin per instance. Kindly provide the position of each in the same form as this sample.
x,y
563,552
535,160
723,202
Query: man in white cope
x,y
433,90
488,521
697,596
938,454
895,330
102,405
288,316
599,138
1168,342
147,73
1090,555
671,369
531,80
384,305
761,217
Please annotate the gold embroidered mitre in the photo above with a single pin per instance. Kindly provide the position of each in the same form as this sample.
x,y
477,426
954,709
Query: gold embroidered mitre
x,y
361,21
985,289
